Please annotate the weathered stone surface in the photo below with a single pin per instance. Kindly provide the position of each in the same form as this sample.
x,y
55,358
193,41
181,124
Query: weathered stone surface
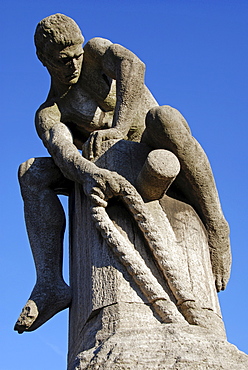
x,y
168,346
144,266
157,174
112,323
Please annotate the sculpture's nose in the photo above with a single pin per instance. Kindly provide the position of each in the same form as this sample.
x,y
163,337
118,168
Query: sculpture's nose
x,y
73,64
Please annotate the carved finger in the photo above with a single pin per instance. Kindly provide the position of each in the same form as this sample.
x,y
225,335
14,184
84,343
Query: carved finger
x,y
92,139
98,201
98,192
98,144
219,284
86,149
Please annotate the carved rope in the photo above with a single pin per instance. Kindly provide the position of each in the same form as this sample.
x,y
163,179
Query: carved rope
x,y
135,264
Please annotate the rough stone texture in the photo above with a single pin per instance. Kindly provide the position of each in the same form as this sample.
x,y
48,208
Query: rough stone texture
x,y
142,277
157,174
169,346
112,323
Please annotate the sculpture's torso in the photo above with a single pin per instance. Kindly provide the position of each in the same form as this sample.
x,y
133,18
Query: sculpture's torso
x,y
90,103
87,107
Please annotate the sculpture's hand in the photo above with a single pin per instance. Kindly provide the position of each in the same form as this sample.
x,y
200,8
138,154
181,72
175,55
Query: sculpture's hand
x,y
102,185
221,265
220,252
92,147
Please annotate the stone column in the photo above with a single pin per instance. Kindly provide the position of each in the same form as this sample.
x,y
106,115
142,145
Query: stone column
x,y
114,322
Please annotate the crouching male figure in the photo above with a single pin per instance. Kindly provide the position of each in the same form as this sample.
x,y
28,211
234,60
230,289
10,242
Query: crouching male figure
x,y
98,93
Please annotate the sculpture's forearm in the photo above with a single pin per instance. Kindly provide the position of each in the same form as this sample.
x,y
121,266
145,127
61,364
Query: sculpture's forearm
x,y
58,140
59,143
128,71
130,87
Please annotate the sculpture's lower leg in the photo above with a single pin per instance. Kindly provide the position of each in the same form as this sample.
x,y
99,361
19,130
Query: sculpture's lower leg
x,y
167,129
45,222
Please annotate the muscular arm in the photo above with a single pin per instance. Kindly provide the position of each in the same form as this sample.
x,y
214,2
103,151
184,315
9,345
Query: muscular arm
x,y
128,70
59,142
100,184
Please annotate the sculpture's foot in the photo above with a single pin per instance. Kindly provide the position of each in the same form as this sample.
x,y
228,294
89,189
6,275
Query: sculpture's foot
x,y
206,318
43,303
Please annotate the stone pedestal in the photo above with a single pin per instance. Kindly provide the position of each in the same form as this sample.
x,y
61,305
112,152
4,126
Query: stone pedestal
x,y
113,324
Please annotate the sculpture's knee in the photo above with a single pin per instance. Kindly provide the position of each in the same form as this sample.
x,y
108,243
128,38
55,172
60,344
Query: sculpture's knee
x,y
38,173
25,173
166,127
166,118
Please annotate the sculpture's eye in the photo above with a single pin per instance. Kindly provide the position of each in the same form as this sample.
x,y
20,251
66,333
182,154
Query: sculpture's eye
x,y
65,60
78,56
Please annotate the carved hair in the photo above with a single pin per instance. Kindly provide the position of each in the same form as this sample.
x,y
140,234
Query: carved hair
x,y
57,29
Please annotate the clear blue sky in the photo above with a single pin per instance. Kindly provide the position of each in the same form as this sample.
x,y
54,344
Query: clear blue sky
x,y
196,56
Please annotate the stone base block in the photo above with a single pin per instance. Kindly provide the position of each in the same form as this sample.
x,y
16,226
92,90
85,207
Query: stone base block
x,y
153,346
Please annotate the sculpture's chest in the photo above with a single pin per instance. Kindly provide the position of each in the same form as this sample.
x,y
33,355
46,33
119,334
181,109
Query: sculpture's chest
x,y
81,109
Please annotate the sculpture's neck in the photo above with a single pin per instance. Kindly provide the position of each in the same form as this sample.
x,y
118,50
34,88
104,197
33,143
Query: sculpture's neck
x,y
58,89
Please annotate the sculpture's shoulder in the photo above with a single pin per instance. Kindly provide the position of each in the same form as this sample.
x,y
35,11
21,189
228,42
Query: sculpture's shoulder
x,y
95,49
46,116
102,51
48,108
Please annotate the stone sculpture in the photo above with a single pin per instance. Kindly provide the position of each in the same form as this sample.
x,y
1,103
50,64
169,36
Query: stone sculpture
x,y
98,103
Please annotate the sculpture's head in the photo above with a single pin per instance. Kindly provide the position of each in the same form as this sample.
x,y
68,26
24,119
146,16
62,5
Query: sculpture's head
x,y
58,42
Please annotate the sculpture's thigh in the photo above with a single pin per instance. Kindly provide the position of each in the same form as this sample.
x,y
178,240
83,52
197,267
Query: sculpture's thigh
x,y
37,174
167,129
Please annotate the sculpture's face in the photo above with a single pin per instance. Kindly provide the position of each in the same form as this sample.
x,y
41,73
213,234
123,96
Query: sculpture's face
x,y
65,64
